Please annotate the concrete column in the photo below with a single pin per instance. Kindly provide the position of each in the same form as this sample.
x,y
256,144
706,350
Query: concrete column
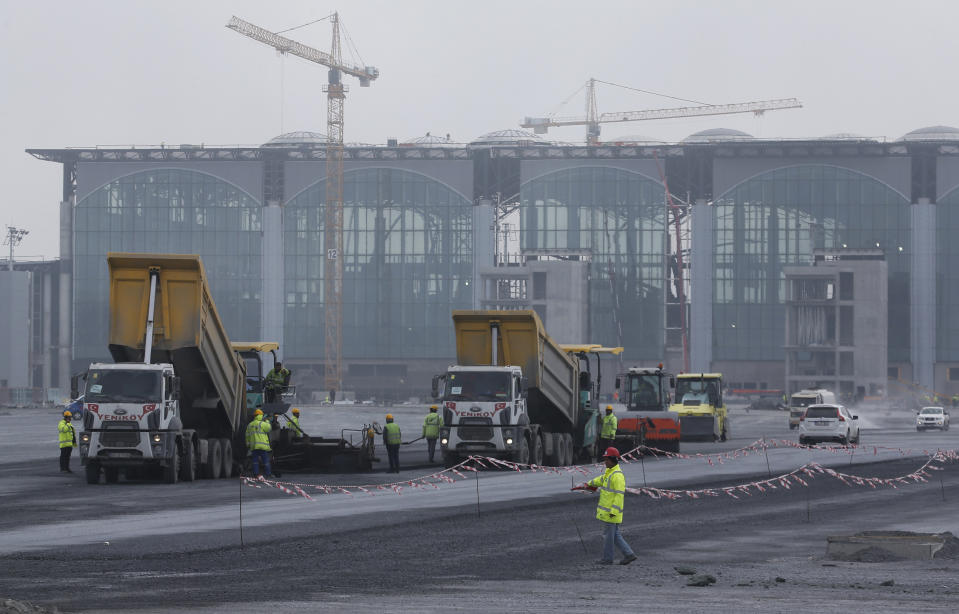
x,y
64,343
273,276
922,293
483,241
701,288
46,340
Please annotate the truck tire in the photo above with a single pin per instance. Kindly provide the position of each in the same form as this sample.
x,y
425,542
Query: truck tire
x,y
536,450
111,475
556,456
521,455
568,445
214,460
172,471
93,472
226,449
188,464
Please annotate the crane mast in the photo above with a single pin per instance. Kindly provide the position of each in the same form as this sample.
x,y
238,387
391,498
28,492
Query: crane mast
x,y
333,212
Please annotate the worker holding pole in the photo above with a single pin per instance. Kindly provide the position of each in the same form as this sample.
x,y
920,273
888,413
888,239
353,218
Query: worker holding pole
x,y
431,430
609,510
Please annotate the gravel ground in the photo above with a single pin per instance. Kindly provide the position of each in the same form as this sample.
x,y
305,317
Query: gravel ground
x,y
766,553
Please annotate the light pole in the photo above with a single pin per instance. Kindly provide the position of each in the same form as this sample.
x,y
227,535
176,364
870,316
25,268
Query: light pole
x,y
14,236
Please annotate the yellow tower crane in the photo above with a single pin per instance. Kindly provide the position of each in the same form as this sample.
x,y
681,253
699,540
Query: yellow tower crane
x,y
333,219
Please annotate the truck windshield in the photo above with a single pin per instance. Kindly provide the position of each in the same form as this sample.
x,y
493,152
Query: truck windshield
x,y
477,386
802,401
119,386
643,391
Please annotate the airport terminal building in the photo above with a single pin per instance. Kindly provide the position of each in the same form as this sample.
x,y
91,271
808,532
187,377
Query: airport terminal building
x,y
419,229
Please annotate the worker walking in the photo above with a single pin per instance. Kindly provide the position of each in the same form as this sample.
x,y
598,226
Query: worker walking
x,y
392,438
609,510
607,436
258,442
68,439
294,424
431,430
276,382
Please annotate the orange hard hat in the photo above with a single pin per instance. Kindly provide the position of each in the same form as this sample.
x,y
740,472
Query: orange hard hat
x,y
611,452
296,410
258,412
67,414
389,416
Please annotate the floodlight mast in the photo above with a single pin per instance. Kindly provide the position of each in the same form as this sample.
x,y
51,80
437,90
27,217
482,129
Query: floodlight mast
x,y
13,239
333,217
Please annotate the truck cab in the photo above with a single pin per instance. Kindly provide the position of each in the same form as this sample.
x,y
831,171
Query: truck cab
x,y
646,392
802,399
700,406
482,405
131,413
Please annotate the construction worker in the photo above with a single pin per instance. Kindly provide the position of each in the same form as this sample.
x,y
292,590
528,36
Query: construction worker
x,y
294,424
607,435
258,442
431,430
609,510
392,438
68,439
955,400
276,382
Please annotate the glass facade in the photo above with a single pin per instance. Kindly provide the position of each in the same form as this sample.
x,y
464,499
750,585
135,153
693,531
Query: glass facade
x,y
167,211
947,278
408,264
776,219
620,217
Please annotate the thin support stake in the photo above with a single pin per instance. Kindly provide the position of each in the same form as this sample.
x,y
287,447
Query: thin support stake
x,y
642,462
766,452
477,493
578,532
241,512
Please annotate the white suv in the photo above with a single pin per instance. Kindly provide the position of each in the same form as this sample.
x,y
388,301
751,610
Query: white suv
x,y
932,418
828,422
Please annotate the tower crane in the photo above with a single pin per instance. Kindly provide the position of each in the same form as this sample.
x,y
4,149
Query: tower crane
x,y
333,218
593,118
592,121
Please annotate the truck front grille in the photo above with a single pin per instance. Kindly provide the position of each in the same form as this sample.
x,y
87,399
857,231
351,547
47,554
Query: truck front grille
x,y
120,436
476,429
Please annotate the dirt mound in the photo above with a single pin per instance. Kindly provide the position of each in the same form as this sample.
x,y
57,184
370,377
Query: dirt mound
x,y
950,550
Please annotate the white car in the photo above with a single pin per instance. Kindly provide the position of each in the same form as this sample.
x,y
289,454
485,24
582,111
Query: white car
x,y
828,422
932,418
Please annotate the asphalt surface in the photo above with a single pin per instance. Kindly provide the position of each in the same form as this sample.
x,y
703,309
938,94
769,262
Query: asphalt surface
x,y
502,541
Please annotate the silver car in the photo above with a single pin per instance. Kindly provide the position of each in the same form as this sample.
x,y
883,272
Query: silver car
x,y
932,418
828,422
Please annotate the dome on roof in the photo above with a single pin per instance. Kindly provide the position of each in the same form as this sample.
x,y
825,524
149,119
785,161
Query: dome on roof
x,y
428,140
511,136
933,133
296,139
635,139
717,135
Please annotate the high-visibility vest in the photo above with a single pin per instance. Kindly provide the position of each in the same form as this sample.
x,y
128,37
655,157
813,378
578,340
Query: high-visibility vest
x,y
431,426
258,434
295,426
391,432
612,495
277,379
609,426
66,434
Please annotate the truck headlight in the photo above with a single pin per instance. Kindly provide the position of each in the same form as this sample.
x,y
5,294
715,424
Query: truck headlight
x,y
509,441
84,437
444,441
156,438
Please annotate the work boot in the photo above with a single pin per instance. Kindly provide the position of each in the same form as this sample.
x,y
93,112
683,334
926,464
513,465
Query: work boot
x,y
628,559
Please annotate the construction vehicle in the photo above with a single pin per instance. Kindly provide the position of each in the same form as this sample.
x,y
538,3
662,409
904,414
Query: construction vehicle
x,y
802,399
173,402
646,392
252,353
700,406
514,393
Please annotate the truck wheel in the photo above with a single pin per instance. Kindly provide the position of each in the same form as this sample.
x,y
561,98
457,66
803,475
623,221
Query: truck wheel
x,y
93,472
172,471
214,462
188,464
226,449
568,448
536,452
111,475
521,455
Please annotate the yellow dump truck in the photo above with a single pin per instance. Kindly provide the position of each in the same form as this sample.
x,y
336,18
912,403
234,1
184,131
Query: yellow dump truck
x,y
513,394
700,406
173,402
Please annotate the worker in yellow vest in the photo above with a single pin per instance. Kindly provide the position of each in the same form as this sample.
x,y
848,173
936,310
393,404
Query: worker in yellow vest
x,y
258,442
607,435
68,439
294,424
431,430
609,510
392,438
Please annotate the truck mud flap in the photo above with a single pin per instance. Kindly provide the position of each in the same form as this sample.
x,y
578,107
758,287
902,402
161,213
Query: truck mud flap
x,y
697,428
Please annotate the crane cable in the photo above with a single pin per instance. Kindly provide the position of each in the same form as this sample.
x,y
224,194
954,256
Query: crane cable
x,y
636,89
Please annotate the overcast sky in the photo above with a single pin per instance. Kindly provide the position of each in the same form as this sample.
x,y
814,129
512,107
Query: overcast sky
x,y
116,72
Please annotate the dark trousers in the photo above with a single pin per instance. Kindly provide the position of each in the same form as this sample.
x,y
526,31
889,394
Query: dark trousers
x,y
393,452
603,444
261,456
431,446
65,458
